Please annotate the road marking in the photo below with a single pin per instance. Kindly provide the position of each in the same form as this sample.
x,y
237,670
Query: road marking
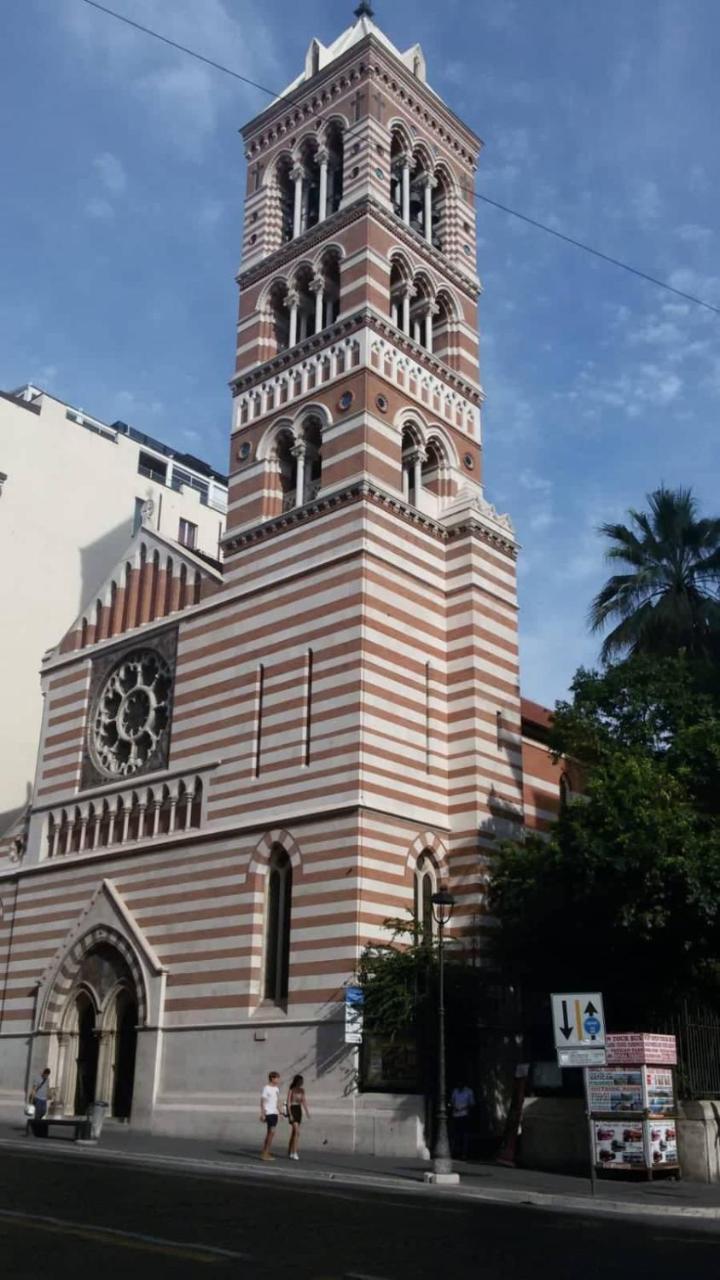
x,y
127,1239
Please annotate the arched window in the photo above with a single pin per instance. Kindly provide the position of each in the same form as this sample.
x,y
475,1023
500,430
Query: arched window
x,y
286,196
424,888
400,163
305,288
440,205
400,295
287,467
280,315
277,926
329,281
412,456
312,469
421,311
309,163
104,828
442,326
335,146
433,469
420,200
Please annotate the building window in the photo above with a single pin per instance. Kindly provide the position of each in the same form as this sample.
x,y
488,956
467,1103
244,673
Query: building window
x,y
424,888
152,468
188,534
277,927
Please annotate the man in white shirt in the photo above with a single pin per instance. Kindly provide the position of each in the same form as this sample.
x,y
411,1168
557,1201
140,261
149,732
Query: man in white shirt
x,y
269,1112
462,1101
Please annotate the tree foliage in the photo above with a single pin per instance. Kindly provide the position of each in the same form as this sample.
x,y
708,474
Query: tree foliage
x,y
668,601
624,894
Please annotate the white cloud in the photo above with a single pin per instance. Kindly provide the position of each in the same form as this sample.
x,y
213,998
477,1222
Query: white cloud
x,y
100,208
646,203
690,233
111,172
183,98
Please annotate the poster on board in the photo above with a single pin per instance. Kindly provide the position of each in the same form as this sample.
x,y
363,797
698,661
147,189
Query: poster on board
x,y
619,1146
659,1091
662,1142
615,1089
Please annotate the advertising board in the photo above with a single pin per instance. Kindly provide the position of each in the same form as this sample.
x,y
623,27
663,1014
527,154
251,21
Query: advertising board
x,y
619,1146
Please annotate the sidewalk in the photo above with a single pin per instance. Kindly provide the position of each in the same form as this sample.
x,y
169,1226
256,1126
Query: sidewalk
x,y
478,1181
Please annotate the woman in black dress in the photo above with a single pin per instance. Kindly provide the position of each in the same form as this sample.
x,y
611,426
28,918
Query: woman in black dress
x,y
296,1104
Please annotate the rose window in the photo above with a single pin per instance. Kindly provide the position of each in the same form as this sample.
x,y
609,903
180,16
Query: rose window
x,y
132,714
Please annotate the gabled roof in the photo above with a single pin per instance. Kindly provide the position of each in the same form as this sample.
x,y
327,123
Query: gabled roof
x,y
174,578
320,56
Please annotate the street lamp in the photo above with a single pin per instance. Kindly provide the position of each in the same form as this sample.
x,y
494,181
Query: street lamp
x,y
442,1171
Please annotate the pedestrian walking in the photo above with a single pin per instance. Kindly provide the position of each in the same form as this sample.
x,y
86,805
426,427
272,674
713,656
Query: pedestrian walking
x,y
462,1101
269,1112
39,1097
296,1104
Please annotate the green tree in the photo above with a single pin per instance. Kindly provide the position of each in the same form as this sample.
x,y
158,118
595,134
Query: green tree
x,y
624,894
668,601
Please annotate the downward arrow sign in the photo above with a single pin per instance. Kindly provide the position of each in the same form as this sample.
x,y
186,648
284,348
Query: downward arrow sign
x,y
565,1026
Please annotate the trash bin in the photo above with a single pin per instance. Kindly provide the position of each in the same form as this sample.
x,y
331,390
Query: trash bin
x,y
96,1116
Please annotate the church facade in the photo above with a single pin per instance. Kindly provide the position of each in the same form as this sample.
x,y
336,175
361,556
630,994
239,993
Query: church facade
x,y
241,777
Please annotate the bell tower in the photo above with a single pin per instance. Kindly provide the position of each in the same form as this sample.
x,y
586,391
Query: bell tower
x,y
357,391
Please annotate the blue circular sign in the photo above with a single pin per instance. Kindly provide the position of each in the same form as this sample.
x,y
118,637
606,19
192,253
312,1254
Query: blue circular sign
x,y
592,1026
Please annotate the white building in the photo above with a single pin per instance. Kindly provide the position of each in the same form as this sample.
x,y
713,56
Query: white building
x,y
72,491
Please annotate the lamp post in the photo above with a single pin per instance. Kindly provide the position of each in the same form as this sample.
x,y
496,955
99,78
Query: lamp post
x,y
443,903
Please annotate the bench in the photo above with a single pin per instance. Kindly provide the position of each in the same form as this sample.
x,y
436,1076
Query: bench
x,y
80,1124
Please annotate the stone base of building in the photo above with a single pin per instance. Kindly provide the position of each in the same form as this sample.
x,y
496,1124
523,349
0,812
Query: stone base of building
x,y
555,1137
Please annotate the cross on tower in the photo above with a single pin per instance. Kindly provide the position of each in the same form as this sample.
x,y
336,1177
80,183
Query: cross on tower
x,y
379,106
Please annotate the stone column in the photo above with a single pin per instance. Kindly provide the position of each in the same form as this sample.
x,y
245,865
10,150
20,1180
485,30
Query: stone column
x,y
430,182
418,459
408,295
297,173
406,189
299,453
432,311
292,300
317,286
323,156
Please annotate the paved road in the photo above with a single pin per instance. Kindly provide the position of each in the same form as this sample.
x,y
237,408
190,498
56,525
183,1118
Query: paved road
x,y
65,1218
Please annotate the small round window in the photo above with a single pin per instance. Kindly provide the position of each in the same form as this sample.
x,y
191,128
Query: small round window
x,y
345,400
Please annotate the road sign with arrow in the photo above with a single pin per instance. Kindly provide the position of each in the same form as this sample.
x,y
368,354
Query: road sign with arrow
x,y
578,1020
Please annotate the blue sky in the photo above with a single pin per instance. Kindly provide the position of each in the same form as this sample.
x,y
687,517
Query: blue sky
x,y
120,225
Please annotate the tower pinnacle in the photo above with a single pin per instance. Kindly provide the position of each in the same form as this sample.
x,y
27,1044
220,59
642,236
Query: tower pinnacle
x,y
364,10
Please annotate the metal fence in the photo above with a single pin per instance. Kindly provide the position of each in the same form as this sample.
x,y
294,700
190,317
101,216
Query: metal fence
x,y
698,1042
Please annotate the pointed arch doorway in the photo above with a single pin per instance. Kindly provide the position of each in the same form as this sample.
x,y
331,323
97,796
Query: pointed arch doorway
x,y
97,1037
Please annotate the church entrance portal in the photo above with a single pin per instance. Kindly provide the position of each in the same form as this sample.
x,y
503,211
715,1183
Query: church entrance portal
x,y
87,1056
125,1046
98,1036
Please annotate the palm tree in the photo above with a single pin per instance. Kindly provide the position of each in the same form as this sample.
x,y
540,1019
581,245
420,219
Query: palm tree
x,y
671,598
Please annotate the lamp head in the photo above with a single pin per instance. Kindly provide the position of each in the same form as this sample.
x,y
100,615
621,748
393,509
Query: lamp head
x,y
443,904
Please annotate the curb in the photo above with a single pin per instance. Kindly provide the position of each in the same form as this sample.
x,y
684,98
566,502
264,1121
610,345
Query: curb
x,y
229,1171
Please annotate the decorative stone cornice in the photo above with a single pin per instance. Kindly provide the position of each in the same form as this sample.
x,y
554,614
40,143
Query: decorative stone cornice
x,y
480,519
312,97
413,240
366,318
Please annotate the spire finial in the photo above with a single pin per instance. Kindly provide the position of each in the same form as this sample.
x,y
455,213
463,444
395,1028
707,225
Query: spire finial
x,y
364,10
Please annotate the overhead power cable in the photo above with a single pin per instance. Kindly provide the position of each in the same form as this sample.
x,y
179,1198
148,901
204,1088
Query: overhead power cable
x,y
514,213
192,53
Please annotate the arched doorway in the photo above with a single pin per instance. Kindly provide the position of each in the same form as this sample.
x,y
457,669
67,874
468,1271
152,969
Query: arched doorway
x,y
125,1048
97,1036
87,1054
